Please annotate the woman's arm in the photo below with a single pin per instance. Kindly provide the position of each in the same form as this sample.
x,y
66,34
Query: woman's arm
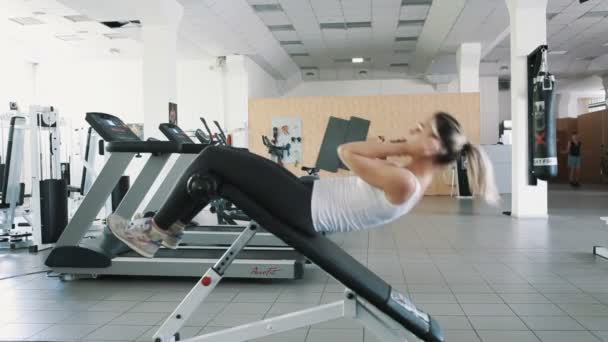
x,y
378,150
397,183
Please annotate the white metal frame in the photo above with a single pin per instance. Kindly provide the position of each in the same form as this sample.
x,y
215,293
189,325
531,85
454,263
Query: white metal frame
x,y
351,307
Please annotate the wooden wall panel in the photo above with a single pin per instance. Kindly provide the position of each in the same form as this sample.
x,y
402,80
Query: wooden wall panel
x,y
591,129
390,116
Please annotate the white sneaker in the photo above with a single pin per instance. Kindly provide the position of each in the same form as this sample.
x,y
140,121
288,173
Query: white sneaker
x,y
140,234
174,235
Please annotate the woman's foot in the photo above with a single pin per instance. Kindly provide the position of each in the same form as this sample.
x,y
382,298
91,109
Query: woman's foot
x,y
174,235
141,234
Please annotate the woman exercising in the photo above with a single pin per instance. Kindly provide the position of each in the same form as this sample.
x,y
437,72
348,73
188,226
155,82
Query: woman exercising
x,y
379,192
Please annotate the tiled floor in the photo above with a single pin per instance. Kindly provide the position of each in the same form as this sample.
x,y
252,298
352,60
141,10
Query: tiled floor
x,y
485,276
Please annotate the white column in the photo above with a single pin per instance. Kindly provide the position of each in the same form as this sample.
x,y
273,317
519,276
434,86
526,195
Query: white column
x,y
605,82
468,58
160,22
528,20
236,99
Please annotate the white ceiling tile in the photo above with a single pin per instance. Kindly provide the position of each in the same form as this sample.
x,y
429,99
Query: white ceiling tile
x,y
285,35
294,48
417,12
274,18
409,31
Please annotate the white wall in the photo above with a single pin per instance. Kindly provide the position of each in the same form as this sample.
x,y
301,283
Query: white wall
x,y
489,119
17,82
360,88
261,84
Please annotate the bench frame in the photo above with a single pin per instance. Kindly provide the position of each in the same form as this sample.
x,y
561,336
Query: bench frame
x,y
352,306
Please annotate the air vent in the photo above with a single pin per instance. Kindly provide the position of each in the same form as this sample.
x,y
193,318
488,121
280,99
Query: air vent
x,y
275,28
26,21
267,8
77,18
302,54
403,51
416,2
399,65
403,23
310,72
346,25
122,24
406,39
115,36
68,37
350,60
291,42
595,14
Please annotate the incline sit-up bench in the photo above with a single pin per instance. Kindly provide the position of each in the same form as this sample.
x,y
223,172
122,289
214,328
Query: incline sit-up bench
x,y
368,298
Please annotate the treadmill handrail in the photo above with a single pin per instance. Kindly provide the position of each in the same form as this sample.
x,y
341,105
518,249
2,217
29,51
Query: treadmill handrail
x,y
147,147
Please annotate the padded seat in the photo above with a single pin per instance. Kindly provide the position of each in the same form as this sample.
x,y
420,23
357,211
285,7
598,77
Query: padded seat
x,y
342,266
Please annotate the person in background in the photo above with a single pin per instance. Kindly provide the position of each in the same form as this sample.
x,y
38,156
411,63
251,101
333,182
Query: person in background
x,y
574,160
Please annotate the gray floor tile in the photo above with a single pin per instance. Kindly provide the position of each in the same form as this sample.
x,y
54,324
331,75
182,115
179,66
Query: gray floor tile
x,y
581,309
18,331
427,298
487,310
162,307
295,297
42,316
114,306
507,336
336,335
571,298
497,323
138,318
479,298
453,322
256,297
130,295
566,336
91,317
537,309
551,323
117,333
602,335
524,298
64,332
246,308
460,336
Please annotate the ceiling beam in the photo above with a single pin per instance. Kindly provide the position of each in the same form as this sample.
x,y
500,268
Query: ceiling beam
x,y
441,18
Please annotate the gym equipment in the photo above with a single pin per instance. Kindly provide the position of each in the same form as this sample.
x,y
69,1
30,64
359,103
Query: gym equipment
x,y
277,153
338,132
368,299
78,253
543,120
47,214
542,135
227,229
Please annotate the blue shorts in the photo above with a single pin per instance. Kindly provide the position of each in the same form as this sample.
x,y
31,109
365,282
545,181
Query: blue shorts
x,y
574,161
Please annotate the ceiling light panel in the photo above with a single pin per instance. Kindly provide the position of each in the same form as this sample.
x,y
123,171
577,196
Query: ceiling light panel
x,y
414,12
281,28
285,35
26,21
267,8
68,37
78,18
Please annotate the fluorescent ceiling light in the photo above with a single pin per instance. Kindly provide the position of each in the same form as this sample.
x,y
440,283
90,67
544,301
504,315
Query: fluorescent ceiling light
x,y
267,8
416,2
406,39
78,18
68,37
558,52
281,28
299,54
291,42
399,65
115,35
26,21
358,60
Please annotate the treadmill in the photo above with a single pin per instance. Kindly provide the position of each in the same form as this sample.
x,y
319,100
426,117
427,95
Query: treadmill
x,y
211,235
79,255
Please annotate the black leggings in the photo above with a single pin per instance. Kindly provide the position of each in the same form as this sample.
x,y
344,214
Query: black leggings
x,y
270,185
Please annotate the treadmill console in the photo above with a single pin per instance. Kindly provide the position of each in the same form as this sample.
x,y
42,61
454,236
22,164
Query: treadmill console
x,y
175,134
110,128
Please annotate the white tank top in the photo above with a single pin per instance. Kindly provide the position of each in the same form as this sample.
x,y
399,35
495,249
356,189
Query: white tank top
x,y
344,204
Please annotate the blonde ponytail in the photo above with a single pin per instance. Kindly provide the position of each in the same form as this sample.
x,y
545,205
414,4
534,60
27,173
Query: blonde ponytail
x,y
481,173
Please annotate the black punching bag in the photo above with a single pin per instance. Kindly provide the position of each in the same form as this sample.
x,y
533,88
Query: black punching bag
x,y
544,125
